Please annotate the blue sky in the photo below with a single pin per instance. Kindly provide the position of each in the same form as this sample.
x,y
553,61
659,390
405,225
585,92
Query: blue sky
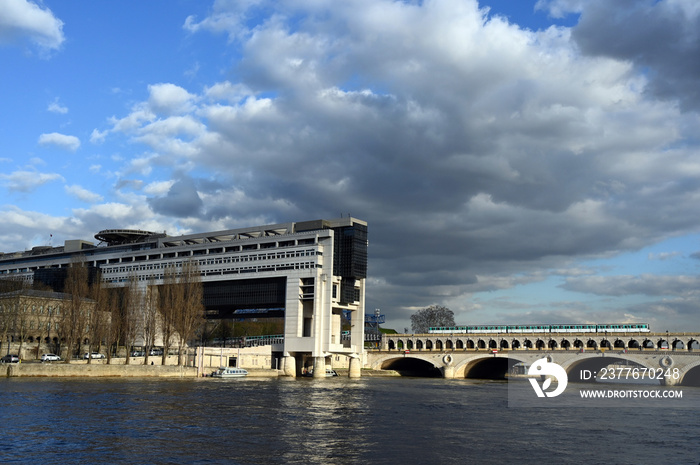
x,y
529,161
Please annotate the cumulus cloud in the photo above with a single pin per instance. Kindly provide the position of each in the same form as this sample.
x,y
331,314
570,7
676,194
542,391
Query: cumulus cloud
x,y
27,181
661,37
83,194
24,20
483,155
66,142
166,98
182,200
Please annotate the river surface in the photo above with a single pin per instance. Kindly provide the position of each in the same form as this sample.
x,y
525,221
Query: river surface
x,y
326,421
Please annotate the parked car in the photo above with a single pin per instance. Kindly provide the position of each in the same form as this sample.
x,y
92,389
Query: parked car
x,y
138,353
50,358
93,355
10,359
156,352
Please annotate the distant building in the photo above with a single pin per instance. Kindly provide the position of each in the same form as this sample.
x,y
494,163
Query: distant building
x,y
310,272
31,318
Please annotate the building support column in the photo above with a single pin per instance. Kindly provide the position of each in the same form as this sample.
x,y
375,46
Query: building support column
x,y
319,367
290,366
355,368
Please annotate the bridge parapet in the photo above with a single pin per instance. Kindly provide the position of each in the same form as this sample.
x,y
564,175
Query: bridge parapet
x,y
541,341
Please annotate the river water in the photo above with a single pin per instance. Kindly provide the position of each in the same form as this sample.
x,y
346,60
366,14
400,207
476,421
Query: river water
x,y
326,421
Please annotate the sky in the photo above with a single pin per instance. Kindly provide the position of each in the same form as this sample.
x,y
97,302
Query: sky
x,y
517,162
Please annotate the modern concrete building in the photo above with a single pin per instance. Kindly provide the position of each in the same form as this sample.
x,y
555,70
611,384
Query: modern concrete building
x,y
312,273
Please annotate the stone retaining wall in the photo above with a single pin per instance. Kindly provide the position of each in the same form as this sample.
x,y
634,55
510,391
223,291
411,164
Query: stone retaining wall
x,y
95,370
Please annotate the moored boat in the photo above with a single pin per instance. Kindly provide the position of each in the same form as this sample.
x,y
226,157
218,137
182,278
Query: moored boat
x,y
329,373
230,372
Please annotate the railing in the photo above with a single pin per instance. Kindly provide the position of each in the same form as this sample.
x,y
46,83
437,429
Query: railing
x,y
249,341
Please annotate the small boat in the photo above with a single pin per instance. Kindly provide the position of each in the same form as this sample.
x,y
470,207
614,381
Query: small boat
x,y
230,372
329,373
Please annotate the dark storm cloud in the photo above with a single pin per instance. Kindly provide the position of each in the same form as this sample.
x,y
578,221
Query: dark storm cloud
x,y
182,200
661,37
482,155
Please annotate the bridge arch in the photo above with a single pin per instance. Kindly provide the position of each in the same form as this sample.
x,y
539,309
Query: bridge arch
x,y
486,367
693,344
594,364
691,375
411,366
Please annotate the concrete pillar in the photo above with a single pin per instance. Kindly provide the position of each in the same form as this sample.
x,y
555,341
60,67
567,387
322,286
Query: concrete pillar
x,y
290,366
319,367
355,368
448,372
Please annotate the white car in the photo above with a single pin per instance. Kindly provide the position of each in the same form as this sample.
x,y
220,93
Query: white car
x,y
50,358
93,355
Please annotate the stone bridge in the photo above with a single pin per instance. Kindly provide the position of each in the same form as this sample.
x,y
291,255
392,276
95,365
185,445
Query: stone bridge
x,y
496,356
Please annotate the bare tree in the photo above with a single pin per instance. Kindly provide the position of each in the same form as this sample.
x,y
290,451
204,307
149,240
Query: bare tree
x,y
113,328
44,320
8,307
98,315
23,318
150,318
190,312
130,307
73,317
435,315
169,299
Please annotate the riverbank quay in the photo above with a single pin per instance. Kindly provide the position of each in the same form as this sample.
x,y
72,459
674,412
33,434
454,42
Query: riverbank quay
x,y
95,370
102,370
99,369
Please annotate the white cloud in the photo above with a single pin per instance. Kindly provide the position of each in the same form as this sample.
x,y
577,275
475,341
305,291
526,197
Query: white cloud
x,y
83,194
97,137
22,19
169,99
27,181
70,143
56,107
159,188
